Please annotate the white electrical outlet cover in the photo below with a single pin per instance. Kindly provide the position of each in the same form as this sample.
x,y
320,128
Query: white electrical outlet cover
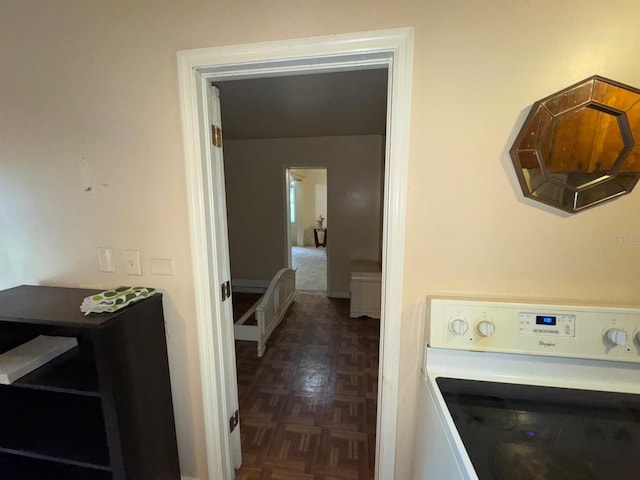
x,y
132,262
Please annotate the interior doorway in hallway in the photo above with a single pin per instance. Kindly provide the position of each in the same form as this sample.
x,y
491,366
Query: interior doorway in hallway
x,y
308,228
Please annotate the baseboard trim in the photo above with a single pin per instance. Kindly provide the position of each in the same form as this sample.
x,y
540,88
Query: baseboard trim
x,y
243,285
339,294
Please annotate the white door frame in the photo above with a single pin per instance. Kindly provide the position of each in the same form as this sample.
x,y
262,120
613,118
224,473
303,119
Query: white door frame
x,y
196,69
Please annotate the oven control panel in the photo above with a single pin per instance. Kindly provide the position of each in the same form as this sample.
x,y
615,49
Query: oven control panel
x,y
536,323
590,332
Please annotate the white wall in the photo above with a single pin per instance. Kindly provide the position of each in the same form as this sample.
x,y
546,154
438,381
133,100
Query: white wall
x,y
297,228
97,81
254,171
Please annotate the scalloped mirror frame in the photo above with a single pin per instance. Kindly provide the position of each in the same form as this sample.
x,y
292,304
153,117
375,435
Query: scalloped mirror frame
x,y
580,147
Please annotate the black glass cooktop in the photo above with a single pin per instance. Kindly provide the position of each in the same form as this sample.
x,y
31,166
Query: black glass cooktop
x,y
523,432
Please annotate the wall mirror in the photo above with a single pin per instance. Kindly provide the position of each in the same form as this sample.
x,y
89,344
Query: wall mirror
x,y
580,146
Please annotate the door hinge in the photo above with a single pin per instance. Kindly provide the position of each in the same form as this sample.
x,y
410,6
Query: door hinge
x,y
225,290
216,136
233,421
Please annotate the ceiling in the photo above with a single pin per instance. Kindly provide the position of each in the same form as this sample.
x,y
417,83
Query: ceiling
x,y
310,105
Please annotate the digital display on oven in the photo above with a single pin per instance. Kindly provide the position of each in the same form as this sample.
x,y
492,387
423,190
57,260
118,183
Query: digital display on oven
x,y
545,320
536,323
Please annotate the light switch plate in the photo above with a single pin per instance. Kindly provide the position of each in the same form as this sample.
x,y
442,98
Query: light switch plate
x,y
162,266
132,262
105,259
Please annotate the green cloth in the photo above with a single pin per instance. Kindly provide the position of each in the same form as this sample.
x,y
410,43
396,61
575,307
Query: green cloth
x,y
113,300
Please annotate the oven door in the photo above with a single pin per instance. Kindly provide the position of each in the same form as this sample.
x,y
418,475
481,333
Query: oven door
x,y
524,432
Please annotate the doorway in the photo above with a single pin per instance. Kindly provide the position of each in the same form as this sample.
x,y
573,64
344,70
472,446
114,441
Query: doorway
x,y
393,48
308,235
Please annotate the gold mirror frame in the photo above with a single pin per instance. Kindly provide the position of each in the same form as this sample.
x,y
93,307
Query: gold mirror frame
x,y
580,146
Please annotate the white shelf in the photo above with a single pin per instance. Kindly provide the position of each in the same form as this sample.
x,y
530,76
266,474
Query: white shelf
x,y
25,358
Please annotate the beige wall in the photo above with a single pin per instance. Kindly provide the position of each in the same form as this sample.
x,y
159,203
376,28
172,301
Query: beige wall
x,y
254,171
96,82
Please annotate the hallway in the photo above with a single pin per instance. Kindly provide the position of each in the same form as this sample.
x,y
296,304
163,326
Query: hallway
x,y
308,406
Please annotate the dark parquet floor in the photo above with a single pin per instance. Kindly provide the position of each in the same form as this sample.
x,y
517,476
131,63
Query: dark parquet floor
x,y
308,406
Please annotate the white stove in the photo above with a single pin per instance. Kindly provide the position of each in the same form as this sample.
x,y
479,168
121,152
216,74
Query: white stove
x,y
529,391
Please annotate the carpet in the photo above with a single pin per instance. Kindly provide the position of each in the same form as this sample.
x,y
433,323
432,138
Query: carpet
x,y
310,264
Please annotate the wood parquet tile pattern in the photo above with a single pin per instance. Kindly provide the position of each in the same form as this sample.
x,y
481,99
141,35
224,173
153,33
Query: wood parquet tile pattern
x,y
308,406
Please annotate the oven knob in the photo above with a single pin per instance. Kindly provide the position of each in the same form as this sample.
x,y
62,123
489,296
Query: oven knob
x,y
485,328
458,326
638,339
615,336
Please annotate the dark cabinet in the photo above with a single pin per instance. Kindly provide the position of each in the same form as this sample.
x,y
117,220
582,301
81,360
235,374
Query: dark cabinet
x,y
101,411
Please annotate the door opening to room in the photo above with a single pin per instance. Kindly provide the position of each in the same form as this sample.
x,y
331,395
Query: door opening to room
x,y
308,232
387,49
283,137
